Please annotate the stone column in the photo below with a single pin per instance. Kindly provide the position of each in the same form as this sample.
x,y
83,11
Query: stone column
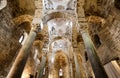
x,y
91,50
42,66
92,55
46,72
112,69
19,64
71,69
38,45
78,73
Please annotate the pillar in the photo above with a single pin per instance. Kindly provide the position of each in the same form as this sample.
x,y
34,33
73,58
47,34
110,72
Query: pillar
x,y
92,55
42,66
71,70
77,67
20,61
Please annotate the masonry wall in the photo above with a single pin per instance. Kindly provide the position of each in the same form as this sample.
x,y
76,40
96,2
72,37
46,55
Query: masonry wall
x,y
9,44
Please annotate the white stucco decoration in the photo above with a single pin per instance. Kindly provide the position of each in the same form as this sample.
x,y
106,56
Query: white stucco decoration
x,y
3,4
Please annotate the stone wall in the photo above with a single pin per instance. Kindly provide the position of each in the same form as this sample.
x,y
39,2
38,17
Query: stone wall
x,y
9,44
108,32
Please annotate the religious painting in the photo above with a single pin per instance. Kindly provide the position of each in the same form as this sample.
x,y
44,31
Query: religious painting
x,y
60,45
60,27
59,4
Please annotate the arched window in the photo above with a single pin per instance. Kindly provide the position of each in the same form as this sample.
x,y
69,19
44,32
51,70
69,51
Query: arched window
x,y
97,41
21,38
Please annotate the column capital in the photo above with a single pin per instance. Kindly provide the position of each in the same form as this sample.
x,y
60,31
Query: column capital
x,y
36,27
36,24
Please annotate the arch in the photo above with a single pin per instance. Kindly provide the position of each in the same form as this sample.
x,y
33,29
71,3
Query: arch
x,y
66,44
95,19
55,14
61,58
23,19
61,61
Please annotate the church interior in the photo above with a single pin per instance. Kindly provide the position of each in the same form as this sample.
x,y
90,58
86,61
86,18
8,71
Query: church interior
x,y
59,38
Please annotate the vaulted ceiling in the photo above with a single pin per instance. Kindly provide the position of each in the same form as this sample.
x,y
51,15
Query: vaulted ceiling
x,y
103,17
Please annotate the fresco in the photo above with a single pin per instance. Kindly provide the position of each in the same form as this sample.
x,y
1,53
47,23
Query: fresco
x,y
62,44
60,27
59,4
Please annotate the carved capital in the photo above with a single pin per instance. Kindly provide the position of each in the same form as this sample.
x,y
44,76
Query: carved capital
x,y
36,25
